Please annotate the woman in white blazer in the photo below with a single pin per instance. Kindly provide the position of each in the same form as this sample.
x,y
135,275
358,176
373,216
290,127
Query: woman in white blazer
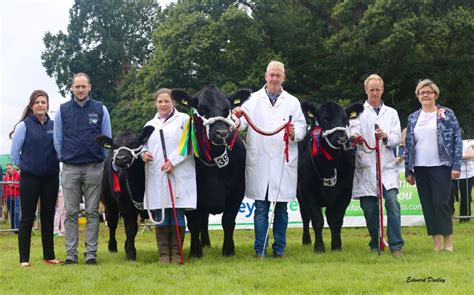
x,y
181,169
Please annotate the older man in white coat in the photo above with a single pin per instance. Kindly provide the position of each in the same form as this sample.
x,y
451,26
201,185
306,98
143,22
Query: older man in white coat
x,y
382,121
268,177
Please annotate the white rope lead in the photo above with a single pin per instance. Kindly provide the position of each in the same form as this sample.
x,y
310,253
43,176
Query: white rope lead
x,y
272,215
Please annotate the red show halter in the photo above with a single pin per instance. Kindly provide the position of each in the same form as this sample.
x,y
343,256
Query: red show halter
x,y
285,126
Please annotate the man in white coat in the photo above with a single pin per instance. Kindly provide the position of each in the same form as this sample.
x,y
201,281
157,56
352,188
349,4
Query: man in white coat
x,y
382,121
268,177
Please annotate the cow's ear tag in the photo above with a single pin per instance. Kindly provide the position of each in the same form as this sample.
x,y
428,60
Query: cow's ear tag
x,y
185,102
237,101
107,146
353,115
310,115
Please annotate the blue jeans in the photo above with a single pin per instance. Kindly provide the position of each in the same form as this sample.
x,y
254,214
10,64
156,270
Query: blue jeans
x,y
13,205
169,217
370,207
280,223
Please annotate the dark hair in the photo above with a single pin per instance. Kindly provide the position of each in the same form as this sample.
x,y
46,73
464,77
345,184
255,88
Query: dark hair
x,y
28,109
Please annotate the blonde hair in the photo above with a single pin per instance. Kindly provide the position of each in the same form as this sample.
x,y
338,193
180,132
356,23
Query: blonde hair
x,y
276,64
372,77
429,83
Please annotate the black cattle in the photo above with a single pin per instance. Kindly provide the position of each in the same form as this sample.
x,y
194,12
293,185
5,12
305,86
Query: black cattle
x,y
325,171
219,190
130,173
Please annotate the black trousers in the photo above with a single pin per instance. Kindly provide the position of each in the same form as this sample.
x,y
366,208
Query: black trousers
x,y
32,188
464,186
434,189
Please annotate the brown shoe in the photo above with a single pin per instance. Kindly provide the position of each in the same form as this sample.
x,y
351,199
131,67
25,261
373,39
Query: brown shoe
x,y
53,261
397,253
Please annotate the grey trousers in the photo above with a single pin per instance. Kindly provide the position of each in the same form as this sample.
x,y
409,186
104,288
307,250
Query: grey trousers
x,y
77,181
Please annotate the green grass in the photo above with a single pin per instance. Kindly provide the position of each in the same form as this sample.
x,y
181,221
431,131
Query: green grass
x,y
353,270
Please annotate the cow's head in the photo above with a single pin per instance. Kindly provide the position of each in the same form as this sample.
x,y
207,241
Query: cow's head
x,y
127,146
333,120
215,107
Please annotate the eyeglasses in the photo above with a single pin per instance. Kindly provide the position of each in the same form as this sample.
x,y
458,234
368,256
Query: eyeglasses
x,y
423,93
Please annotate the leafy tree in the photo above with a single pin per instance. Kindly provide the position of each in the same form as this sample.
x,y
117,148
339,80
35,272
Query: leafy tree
x,y
328,46
104,39
193,49
405,41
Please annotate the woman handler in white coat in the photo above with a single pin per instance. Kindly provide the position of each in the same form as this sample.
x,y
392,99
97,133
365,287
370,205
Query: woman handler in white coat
x,y
182,172
381,121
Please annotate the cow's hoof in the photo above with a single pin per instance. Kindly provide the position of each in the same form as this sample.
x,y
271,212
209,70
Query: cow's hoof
x,y
307,242
196,254
132,256
320,249
205,244
336,249
113,247
227,253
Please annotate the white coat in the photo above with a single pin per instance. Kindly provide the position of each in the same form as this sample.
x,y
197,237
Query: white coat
x,y
365,177
265,160
183,177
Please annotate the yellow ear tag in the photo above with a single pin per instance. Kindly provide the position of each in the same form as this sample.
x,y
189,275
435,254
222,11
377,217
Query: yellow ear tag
x,y
353,115
310,115
185,102
107,146
237,101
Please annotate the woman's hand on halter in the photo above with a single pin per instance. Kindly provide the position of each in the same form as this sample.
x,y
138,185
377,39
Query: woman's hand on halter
x,y
147,157
167,167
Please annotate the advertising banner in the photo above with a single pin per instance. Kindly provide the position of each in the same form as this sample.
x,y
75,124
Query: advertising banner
x,y
408,197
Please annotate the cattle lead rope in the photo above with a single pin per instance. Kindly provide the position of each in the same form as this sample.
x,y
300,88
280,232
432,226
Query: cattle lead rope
x,y
272,215
286,138
381,240
285,126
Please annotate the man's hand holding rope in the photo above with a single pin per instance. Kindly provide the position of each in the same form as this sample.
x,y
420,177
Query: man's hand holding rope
x,y
238,112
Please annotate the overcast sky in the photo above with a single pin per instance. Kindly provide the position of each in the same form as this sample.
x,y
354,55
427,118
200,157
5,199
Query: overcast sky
x,y
23,25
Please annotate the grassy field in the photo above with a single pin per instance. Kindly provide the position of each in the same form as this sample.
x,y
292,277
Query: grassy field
x,y
353,270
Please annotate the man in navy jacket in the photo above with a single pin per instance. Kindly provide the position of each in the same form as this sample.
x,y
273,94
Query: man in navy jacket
x,y
77,123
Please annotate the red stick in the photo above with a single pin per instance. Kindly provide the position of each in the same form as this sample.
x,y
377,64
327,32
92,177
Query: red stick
x,y
379,190
172,198
380,195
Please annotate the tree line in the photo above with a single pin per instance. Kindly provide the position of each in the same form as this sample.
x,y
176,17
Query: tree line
x,y
132,48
